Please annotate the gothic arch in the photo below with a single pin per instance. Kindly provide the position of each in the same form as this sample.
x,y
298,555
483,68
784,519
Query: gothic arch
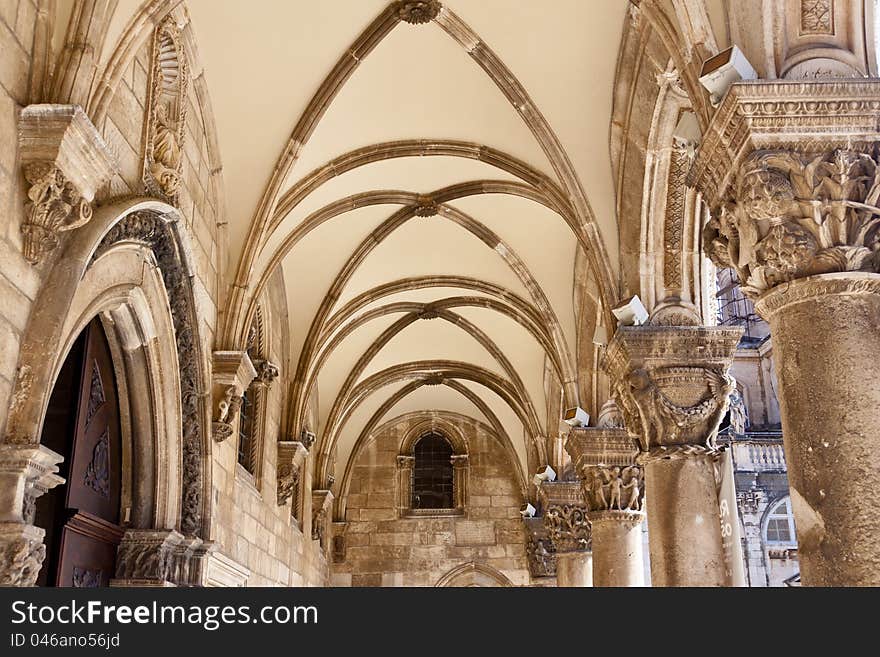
x,y
102,273
473,574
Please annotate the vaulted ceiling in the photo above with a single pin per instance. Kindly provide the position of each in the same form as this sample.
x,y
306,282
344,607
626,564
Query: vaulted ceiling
x,y
429,179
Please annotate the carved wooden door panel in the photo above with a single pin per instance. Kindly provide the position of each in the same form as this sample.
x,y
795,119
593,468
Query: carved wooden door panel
x,y
91,532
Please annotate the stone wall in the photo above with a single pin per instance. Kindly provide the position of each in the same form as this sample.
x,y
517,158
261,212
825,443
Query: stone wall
x,y
251,530
383,549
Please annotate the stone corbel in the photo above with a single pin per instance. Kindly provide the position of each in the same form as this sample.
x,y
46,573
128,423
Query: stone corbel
x,y
565,515
65,161
322,500
267,371
233,372
291,456
540,551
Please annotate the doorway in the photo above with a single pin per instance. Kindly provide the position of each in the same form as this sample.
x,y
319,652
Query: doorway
x,y
82,517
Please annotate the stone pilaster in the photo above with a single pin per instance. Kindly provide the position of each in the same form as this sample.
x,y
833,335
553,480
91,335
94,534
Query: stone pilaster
x,y
460,469
567,526
233,372
792,174
26,472
613,487
672,387
65,161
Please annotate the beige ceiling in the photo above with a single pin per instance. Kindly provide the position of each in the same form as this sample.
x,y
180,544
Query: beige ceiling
x,y
264,60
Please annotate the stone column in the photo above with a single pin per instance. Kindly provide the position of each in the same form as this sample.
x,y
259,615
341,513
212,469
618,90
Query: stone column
x,y
792,175
672,387
613,488
565,519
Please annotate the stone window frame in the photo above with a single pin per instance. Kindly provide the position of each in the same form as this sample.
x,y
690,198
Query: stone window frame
x,y
772,514
460,465
258,389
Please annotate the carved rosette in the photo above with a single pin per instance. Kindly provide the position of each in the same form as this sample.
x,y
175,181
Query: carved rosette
x,y
166,113
65,161
565,516
672,384
418,12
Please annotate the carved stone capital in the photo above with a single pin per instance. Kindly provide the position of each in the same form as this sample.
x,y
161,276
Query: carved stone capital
x,y
565,515
672,383
21,553
405,462
148,556
65,161
233,372
418,12
605,460
291,456
540,551
26,472
790,171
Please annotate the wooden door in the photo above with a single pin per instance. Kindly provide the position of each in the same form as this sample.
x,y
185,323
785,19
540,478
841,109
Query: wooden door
x,y
86,518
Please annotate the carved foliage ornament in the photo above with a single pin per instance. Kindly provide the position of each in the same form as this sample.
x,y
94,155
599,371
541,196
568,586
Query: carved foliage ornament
x,y
568,527
418,12
669,406
163,154
21,560
54,206
152,230
792,216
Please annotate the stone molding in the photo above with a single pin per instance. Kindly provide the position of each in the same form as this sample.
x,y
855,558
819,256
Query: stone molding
x,y
672,383
291,456
565,516
806,289
233,372
27,471
65,161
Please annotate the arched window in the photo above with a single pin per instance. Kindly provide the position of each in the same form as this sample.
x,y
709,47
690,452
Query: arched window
x,y
779,527
433,477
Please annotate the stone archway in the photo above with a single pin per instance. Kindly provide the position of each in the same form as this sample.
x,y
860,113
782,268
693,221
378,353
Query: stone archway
x,y
473,574
130,268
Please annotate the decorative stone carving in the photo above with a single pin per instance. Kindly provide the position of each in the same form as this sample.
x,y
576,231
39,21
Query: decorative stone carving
x,y
147,555
21,554
233,372
540,551
153,230
27,471
605,460
565,515
267,371
792,216
322,500
65,161
609,416
291,456
166,113
671,383
817,17
418,12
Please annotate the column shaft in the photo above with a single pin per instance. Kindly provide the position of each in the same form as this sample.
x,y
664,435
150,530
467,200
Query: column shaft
x,y
684,536
617,550
826,348
574,568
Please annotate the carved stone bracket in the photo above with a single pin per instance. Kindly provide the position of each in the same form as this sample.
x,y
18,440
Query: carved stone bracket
x,y
267,371
291,456
565,515
540,551
671,383
65,161
322,501
26,472
605,460
233,373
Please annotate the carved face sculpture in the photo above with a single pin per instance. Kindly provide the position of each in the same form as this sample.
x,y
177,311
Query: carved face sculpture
x,y
766,195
